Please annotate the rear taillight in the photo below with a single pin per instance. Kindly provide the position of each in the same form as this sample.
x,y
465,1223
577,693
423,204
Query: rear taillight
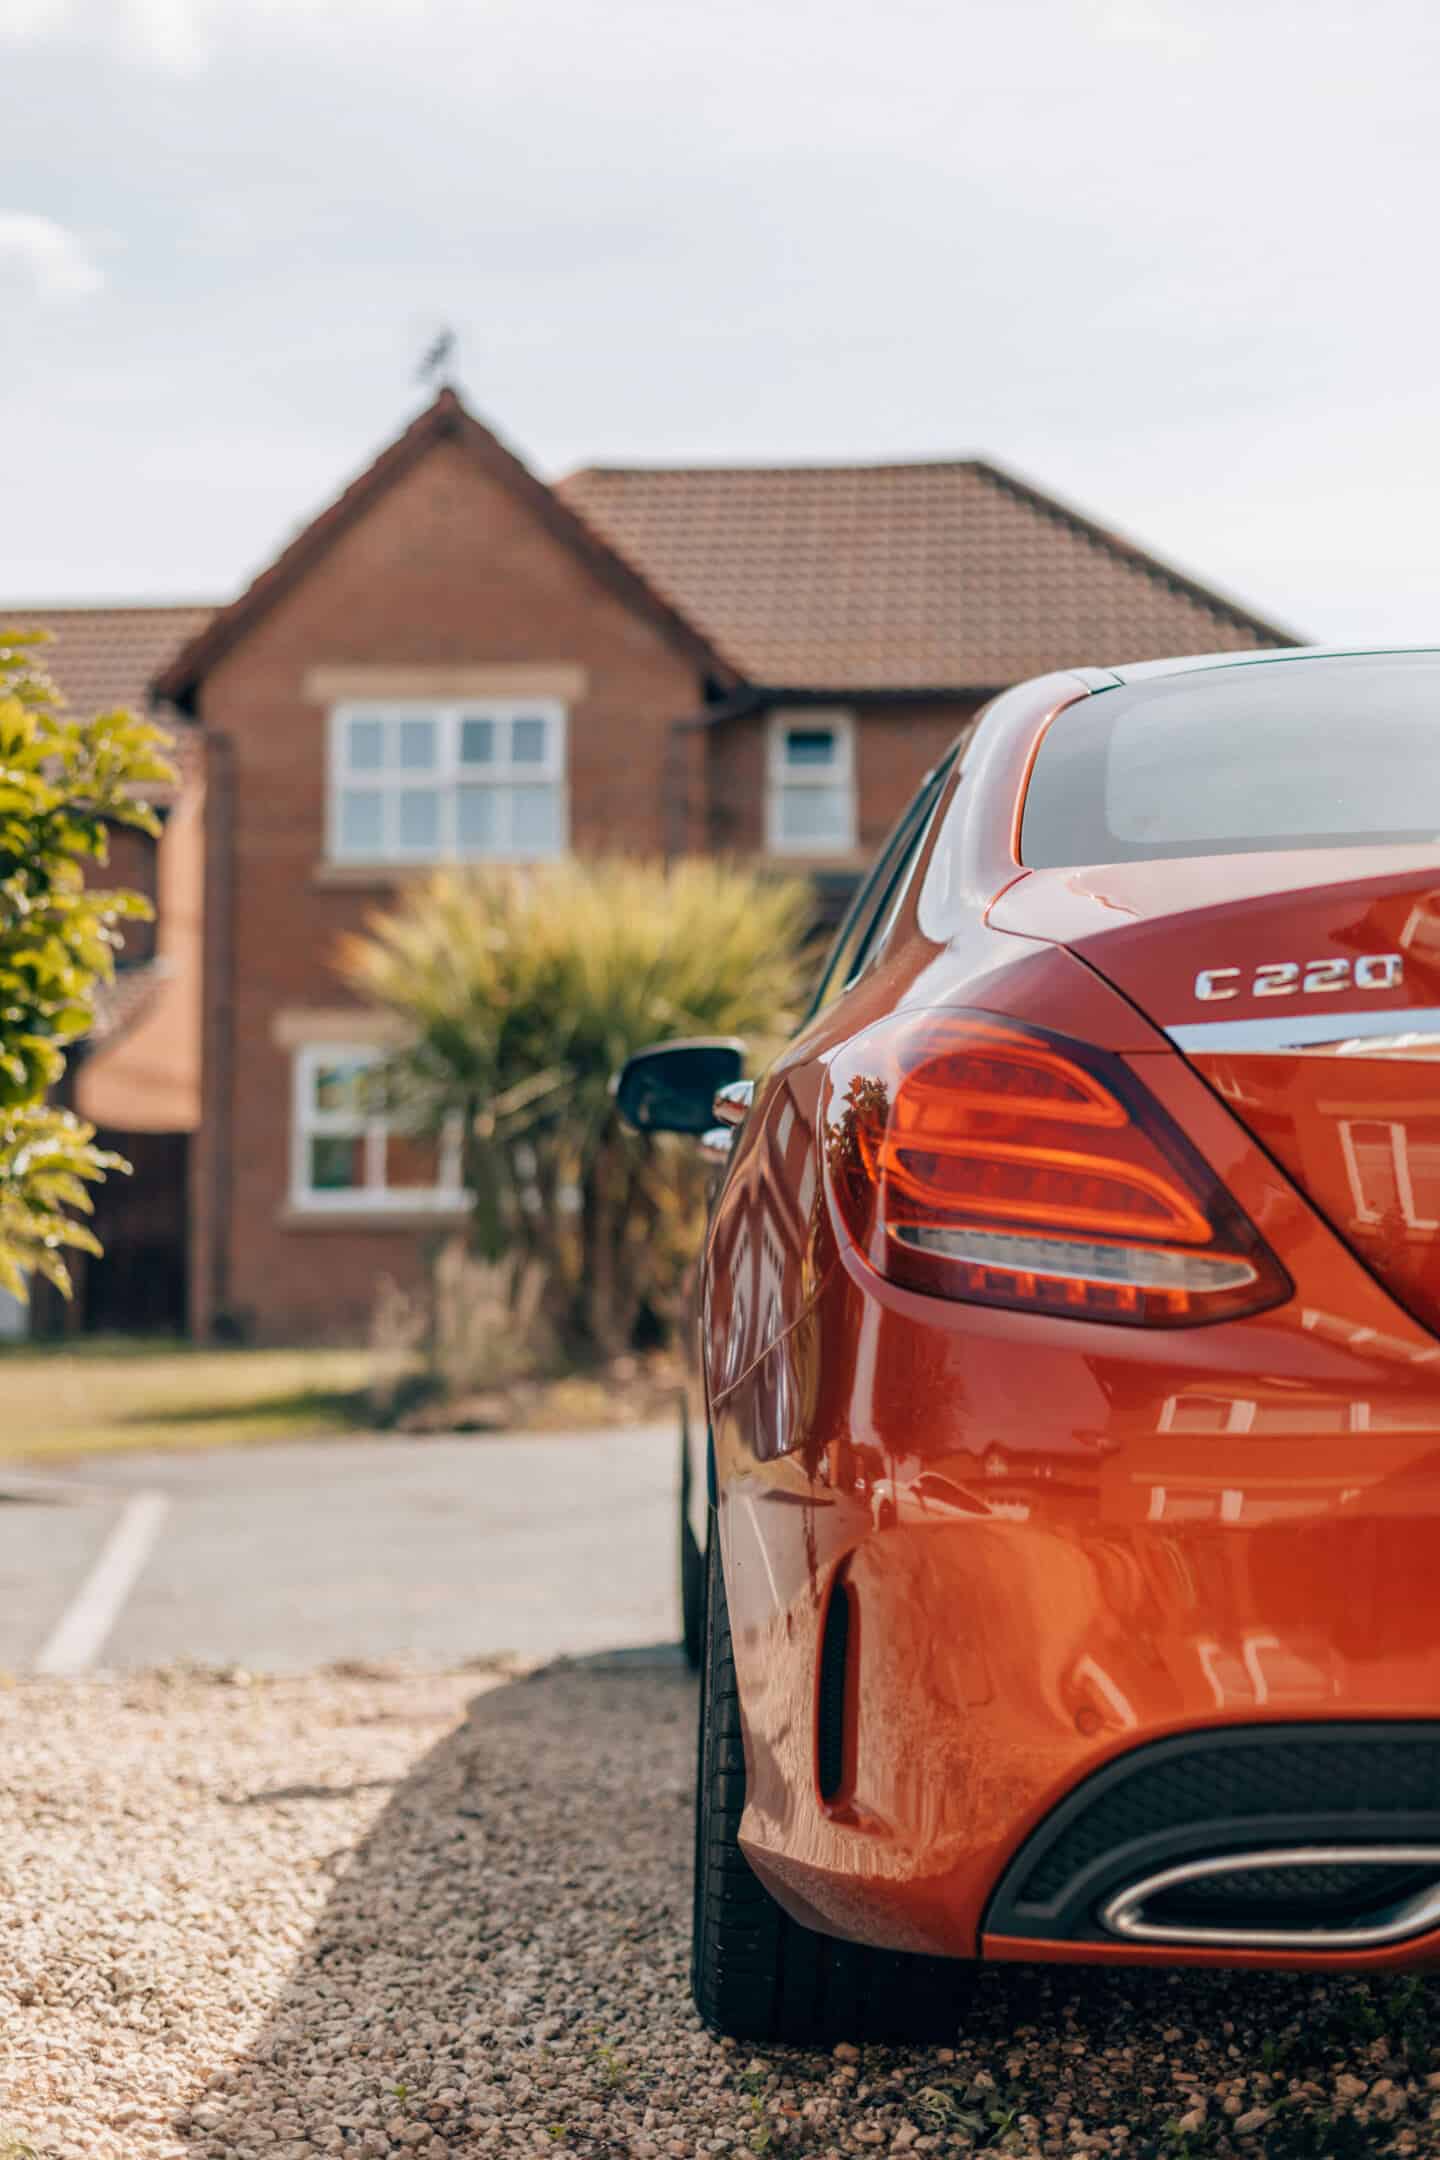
x,y
976,1158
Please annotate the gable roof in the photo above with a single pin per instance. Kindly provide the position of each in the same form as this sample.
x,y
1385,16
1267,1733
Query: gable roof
x,y
444,419
947,575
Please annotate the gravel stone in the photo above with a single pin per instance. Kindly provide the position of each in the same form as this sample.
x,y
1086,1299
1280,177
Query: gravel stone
x,y
377,1914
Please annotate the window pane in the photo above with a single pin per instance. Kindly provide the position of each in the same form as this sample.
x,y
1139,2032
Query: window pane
x,y
815,816
417,745
419,820
535,820
475,820
341,1086
337,1162
477,741
365,745
527,742
361,824
412,1162
810,746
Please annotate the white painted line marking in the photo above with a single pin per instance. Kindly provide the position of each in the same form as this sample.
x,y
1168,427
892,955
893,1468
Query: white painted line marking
x,y
86,1623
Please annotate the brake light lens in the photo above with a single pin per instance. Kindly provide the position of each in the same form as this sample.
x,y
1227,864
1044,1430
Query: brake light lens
x,y
977,1158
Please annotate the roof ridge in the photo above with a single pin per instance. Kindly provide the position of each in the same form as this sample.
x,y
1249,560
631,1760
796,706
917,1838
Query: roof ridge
x,y
1131,552
662,469
13,609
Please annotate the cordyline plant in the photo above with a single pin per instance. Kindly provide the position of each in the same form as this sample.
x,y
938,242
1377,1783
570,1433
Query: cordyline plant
x,y
520,995
62,783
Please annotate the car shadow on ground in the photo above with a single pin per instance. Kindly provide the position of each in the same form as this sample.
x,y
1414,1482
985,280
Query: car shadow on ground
x,y
501,1967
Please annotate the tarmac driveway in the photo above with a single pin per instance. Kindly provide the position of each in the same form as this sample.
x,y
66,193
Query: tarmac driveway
x,y
280,1559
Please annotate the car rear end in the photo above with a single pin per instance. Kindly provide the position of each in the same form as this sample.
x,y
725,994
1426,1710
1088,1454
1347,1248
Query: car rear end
x,y
1087,1605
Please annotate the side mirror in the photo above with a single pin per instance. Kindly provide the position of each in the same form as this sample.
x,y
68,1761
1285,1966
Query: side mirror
x,y
672,1086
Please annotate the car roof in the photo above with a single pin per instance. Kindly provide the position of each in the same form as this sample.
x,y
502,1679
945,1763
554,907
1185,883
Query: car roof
x,y
1110,678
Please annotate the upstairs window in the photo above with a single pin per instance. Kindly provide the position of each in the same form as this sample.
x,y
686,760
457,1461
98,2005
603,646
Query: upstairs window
x,y
447,783
349,1152
810,796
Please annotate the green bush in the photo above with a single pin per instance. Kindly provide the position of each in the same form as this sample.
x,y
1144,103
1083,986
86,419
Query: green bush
x,y
520,995
63,782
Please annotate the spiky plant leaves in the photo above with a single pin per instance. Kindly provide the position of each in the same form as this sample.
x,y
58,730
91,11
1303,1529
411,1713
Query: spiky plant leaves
x,y
520,994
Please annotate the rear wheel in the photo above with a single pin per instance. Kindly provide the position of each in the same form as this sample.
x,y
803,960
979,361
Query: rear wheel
x,y
755,1972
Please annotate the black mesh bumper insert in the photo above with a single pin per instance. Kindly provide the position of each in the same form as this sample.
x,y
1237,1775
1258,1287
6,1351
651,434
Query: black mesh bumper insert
x,y
1234,1790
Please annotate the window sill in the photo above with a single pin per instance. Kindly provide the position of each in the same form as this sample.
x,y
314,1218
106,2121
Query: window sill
x,y
799,860
385,876
366,876
368,1220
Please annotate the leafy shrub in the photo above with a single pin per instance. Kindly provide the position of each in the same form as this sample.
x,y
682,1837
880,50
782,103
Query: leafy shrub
x,y
62,783
520,995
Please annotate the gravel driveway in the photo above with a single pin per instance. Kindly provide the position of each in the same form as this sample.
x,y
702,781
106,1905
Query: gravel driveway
x,y
375,1912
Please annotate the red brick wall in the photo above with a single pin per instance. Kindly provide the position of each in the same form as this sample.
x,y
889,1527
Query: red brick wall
x,y
735,785
132,865
447,568
895,746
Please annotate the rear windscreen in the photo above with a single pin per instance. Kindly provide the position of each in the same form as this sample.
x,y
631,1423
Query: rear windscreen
x,y
1232,760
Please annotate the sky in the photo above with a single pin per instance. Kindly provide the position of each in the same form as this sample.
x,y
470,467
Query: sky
x,y
1173,260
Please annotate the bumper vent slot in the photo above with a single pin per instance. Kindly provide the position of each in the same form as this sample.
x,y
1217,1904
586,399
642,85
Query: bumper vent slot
x,y
834,1674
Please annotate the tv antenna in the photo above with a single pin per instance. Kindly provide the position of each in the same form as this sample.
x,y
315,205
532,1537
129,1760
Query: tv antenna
x,y
435,367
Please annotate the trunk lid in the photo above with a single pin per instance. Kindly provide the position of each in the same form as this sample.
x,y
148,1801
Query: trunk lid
x,y
1308,999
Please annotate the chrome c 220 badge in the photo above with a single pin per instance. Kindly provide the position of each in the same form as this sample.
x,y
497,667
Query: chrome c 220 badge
x,y
1308,978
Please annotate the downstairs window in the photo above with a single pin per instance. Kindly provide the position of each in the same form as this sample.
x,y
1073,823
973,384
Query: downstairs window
x,y
348,1152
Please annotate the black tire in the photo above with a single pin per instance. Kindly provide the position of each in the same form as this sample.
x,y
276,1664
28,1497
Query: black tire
x,y
754,1972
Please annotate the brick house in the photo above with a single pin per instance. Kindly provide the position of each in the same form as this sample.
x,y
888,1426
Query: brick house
x,y
457,661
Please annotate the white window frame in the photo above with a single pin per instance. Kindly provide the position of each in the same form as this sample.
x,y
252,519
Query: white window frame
x,y
447,776
781,778
374,1197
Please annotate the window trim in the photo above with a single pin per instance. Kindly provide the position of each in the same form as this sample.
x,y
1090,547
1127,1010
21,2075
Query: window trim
x,y
374,1197
780,778
447,776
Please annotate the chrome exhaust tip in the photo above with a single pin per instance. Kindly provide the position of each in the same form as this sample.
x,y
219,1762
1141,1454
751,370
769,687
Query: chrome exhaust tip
x,y
1392,1917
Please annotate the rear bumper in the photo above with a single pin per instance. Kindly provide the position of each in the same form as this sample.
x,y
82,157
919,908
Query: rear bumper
x,y
1070,1559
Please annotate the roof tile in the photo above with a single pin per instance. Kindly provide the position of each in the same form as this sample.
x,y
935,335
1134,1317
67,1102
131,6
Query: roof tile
x,y
103,657
106,656
916,576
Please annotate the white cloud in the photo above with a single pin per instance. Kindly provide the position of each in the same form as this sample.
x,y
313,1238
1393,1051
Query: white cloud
x,y
169,32
1173,34
47,255
165,33
21,20
181,36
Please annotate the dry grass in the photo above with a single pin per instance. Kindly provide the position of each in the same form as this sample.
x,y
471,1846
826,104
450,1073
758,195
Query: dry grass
x,y
98,1396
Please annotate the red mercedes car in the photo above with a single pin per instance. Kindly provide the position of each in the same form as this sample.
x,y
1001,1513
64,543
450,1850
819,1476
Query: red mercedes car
x,y
1066,1468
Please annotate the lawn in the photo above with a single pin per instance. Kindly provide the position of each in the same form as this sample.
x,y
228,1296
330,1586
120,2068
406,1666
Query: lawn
x,y
96,1395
